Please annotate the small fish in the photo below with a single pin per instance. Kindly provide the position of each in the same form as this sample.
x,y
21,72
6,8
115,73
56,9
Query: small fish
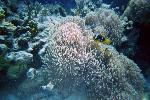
x,y
101,38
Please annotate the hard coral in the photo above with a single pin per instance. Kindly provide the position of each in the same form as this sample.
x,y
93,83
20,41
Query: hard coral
x,y
102,72
7,27
106,20
136,10
71,32
33,29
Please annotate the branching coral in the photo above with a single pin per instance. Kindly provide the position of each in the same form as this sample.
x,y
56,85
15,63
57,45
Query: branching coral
x,y
109,21
73,60
86,6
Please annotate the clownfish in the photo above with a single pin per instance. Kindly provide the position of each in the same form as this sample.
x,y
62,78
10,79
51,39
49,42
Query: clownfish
x,y
101,38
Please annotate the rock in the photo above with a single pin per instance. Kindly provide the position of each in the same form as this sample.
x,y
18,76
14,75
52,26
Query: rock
x,y
20,63
20,56
15,71
48,87
33,86
31,73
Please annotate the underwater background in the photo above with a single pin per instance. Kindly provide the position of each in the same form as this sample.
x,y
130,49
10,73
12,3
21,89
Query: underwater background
x,y
74,50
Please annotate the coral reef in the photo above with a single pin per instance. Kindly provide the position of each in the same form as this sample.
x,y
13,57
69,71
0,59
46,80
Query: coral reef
x,y
7,27
2,13
108,22
33,10
140,8
15,35
53,51
72,59
86,6
33,29
18,63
